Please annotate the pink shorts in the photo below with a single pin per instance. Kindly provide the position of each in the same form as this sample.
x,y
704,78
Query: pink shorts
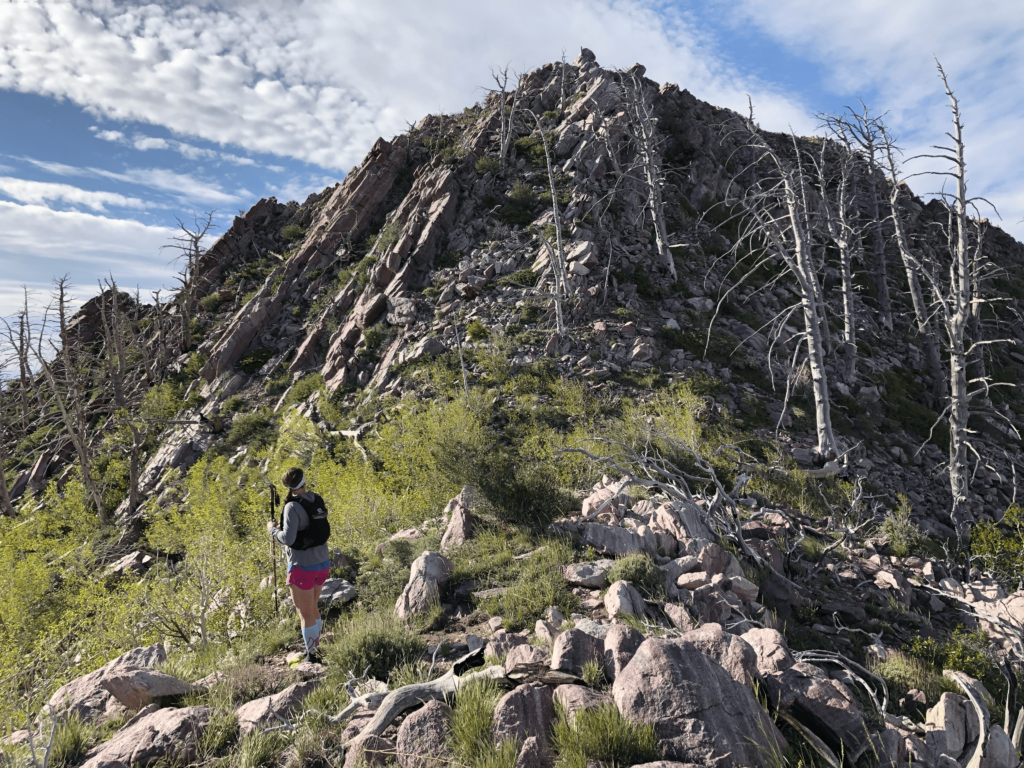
x,y
306,580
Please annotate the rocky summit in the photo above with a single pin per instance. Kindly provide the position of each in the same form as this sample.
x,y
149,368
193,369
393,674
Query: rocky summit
x,y
648,438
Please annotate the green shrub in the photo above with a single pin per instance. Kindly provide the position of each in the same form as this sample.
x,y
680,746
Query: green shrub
x,y
449,259
903,672
470,738
623,315
593,674
903,533
277,384
552,114
376,335
539,584
260,750
523,277
477,331
256,430
387,236
251,362
642,572
233,403
602,735
529,312
210,303
72,739
293,232
377,640
1000,547
219,734
303,388
195,363
519,205
488,164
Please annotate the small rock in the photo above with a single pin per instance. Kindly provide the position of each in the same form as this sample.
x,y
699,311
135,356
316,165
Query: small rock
x,y
270,708
576,698
495,623
526,711
623,599
423,736
574,648
524,654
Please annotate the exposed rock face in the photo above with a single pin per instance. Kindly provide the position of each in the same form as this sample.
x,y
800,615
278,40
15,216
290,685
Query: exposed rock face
x,y
823,705
533,754
591,575
429,574
616,541
165,733
254,713
946,726
573,649
701,715
623,599
524,654
86,696
135,688
369,752
526,711
576,698
620,644
423,736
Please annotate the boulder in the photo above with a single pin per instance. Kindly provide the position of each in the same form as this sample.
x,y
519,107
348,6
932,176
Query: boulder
x,y
369,752
270,708
574,648
576,698
700,714
692,580
524,654
684,522
136,688
743,589
502,643
423,736
823,705
679,617
620,644
946,726
732,653
165,734
428,576
590,575
525,711
546,631
336,592
710,604
771,650
616,541
86,697
623,599
999,751
460,525
533,754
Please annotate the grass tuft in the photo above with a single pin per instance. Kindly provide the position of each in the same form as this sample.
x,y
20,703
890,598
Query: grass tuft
x,y
378,641
640,571
602,735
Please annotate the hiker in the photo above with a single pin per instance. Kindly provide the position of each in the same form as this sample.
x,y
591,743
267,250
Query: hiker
x,y
305,534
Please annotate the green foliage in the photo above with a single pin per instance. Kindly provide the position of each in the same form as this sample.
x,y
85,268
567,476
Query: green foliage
x,y
233,404
278,383
449,259
530,312
303,388
477,331
593,674
602,735
376,336
532,147
488,164
470,738
642,572
1000,547
539,584
519,205
256,430
964,651
387,236
623,315
523,277
210,303
219,734
71,741
253,361
903,533
903,672
293,232
361,271
375,640
552,114
260,750
195,363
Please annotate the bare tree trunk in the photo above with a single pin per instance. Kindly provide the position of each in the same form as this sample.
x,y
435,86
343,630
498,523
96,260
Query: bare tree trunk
x,y
189,245
561,96
558,254
645,136
507,121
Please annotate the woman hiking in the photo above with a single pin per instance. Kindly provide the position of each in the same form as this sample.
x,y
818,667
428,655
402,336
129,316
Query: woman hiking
x,y
305,534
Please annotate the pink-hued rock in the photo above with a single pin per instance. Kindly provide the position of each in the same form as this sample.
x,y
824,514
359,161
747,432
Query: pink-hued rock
x,y
620,644
574,648
254,713
136,688
502,643
533,754
772,651
576,698
460,526
423,737
733,654
700,714
369,752
86,697
622,599
524,654
679,617
164,733
526,711
428,575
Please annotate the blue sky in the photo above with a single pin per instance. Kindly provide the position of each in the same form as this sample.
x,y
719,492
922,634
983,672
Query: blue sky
x,y
117,117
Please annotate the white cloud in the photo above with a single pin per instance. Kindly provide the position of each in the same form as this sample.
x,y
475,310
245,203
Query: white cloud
x,y
85,246
110,135
884,50
319,80
149,142
39,192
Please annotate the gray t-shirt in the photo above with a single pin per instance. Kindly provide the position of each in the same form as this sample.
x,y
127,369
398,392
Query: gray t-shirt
x,y
295,520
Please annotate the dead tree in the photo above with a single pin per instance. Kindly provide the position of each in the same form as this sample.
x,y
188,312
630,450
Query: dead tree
x,y
863,130
836,167
780,219
18,343
953,279
643,125
6,436
68,372
557,251
911,265
189,245
501,77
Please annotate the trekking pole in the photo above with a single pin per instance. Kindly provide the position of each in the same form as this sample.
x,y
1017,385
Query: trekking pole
x,y
273,550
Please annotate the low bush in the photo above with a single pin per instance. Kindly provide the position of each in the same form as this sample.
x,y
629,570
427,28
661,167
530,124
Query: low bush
x,y
519,205
293,232
379,641
256,430
477,331
210,303
523,277
539,584
260,750
602,735
253,361
902,673
233,404
1000,547
552,114
640,571
903,533
71,741
488,164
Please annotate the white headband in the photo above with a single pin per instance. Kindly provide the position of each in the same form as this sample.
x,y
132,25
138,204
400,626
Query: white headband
x,y
302,482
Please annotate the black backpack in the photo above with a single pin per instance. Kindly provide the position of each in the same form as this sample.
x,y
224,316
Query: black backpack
x,y
319,529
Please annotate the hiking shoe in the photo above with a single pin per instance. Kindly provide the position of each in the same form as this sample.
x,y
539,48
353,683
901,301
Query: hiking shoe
x,y
314,657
